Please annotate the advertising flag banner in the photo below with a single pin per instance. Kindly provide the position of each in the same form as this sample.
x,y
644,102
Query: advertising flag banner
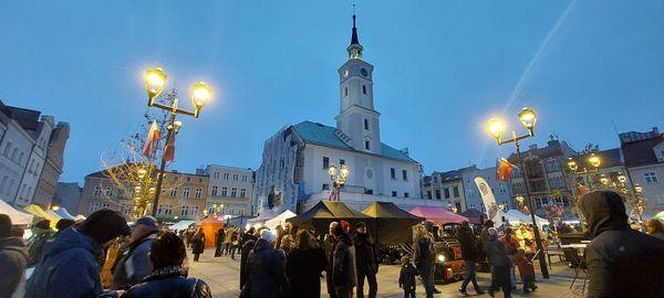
x,y
489,201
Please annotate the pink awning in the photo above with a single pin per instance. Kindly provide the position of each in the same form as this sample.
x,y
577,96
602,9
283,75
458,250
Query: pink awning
x,y
439,216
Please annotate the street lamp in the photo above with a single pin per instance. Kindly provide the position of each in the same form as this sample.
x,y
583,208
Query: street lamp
x,y
338,178
200,93
496,128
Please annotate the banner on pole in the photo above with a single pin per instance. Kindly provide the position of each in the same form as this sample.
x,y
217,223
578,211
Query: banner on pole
x,y
489,201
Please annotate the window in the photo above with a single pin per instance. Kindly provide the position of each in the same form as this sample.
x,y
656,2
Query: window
x,y
109,192
651,177
233,192
32,164
326,162
14,153
235,176
345,91
404,175
8,147
216,175
429,196
446,191
224,191
97,191
185,192
366,124
214,191
406,195
37,169
393,173
456,191
244,178
188,179
342,162
243,193
197,194
174,192
364,89
368,191
184,211
458,206
20,158
394,193
194,210
438,194
3,184
326,186
367,145
226,175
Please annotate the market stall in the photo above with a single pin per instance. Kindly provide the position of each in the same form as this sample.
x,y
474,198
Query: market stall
x,y
322,214
17,217
280,219
260,220
210,227
181,225
438,215
391,225
515,217
474,216
40,213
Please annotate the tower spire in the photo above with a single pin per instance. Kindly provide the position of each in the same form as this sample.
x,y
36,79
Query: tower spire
x,y
355,48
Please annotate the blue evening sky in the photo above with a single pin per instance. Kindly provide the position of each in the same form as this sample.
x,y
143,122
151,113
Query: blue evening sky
x,y
441,69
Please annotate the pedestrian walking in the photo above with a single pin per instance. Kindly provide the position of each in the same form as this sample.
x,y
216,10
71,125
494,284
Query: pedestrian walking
x,y
526,270
266,275
367,263
511,245
41,232
198,243
69,264
622,262
235,242
304,266
219,241
469,244
247,246
407,277
13,258
344,274
329,244
423,256
227,240
500,264
191,230
168,278
655,228
134,263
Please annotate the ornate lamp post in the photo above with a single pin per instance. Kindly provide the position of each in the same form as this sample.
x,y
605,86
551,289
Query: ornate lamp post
x,y
496,128
200,94
338,178
594,161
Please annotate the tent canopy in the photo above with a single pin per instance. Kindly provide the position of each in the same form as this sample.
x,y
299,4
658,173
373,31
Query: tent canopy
x,y
63,213
516,217
474,216
210,226
325,212
17,217
39,212
262,218
280,219
180,225
660,215
390,225
439,216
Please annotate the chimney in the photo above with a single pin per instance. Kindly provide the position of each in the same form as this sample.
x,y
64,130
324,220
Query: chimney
x,y
532,147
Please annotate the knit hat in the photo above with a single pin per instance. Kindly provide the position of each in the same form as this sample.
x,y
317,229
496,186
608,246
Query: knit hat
x,y
104,225
345,225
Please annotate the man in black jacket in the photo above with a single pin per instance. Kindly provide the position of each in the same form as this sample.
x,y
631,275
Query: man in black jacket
x,y
266,274
344,274
329,244
367,265
219,241
468,243
622,262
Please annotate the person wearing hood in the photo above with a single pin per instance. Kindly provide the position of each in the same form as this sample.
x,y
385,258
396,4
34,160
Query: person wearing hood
x,y
247,246
344,274
69,265
266,273
41,233
134,262
367,264
468,243
622,262
13,258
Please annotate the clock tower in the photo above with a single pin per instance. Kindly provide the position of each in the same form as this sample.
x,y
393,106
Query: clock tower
x,y
357,117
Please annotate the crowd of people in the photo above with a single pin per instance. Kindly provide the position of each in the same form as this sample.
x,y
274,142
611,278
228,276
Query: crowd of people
x,y
102,256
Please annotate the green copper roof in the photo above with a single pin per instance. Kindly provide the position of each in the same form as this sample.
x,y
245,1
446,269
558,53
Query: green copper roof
x,y
323,135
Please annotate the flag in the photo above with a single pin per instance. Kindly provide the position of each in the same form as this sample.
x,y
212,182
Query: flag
x,y
503,170
489,201
169,150
151,139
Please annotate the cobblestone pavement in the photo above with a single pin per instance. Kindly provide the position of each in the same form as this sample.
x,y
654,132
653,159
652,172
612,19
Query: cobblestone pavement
x,y
222,274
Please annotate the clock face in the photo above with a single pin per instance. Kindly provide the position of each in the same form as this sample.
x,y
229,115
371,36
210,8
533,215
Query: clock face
x,y
364,72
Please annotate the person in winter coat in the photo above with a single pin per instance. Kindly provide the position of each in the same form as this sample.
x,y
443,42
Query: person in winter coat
x,y
134,263
219,241
511,244
41,232
468,243
344,274
198,243
407,278
244,256
423,256
622,262
367,264
655,228
266,275
69,265
526,270
168,278
304,266
500,263
329,244
228,241
13,258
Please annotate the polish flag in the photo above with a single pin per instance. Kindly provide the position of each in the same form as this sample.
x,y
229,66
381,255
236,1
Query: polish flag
x,y
169,150
152,138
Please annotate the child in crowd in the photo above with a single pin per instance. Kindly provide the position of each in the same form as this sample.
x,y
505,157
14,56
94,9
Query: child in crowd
x,y
407,277
526,269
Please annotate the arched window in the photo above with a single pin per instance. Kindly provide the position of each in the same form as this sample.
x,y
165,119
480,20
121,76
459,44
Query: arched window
x,y
366,124
367,144
14,153
345,91
364,89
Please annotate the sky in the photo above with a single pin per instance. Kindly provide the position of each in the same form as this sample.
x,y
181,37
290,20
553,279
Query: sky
x,y
442,68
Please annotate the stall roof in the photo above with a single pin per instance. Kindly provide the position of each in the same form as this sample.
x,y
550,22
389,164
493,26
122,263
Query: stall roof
x,y
388,210
330,209
438,215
